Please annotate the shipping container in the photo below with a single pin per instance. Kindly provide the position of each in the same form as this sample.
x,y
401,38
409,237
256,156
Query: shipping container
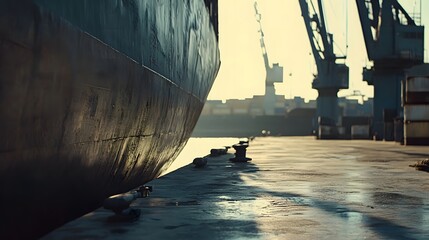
x,y
330,132
257,112
416,133
360,132
221,111
417,90
239,111
417,84
416,112
416,106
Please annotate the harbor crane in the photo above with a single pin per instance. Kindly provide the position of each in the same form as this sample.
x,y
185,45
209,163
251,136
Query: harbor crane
x,y
394,42
273,75
331,76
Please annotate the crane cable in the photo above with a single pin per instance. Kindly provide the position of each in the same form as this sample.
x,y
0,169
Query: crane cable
x,y
346,28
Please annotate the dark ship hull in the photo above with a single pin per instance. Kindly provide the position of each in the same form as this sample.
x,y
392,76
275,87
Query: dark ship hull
x,y
96,98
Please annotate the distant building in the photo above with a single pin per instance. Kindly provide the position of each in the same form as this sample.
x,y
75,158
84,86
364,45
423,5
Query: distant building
x,y
255,106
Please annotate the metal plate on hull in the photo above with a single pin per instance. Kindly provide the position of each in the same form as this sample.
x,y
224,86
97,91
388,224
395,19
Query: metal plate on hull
x,y
175,38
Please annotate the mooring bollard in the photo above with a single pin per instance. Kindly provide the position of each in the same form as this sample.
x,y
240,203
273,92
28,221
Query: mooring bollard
x,y
240,153
215,152
120,204
200,162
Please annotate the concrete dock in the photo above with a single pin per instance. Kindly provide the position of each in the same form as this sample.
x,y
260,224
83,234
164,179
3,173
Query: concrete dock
x,y
294,188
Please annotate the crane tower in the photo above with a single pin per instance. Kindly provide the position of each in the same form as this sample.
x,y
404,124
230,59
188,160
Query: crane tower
x,y
394,43
331,76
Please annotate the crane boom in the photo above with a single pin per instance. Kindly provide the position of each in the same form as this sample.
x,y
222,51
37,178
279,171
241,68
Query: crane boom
x,y
368,21
264,49
390,22
325,36
315,45
329,72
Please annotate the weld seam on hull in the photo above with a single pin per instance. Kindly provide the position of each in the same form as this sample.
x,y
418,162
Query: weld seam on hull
x,y
3,39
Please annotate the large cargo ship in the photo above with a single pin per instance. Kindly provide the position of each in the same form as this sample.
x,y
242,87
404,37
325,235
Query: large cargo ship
x,y
96,98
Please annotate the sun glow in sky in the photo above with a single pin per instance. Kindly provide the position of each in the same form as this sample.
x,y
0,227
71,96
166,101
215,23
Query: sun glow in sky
x,y
242,72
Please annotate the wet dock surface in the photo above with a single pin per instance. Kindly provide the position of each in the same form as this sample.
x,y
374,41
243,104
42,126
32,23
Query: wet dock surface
x,y
294,188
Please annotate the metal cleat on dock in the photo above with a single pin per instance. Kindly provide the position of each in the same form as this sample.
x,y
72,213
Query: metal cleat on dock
x,y
120,204
240,153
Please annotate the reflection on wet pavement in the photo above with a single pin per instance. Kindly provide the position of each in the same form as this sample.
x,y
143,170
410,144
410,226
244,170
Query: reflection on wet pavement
x,y
295,188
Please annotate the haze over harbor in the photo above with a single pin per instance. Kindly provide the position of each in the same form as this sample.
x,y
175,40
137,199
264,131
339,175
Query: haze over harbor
x,y
242,73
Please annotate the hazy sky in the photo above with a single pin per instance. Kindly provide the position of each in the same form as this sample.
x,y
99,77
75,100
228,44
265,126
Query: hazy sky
x,y
242,72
